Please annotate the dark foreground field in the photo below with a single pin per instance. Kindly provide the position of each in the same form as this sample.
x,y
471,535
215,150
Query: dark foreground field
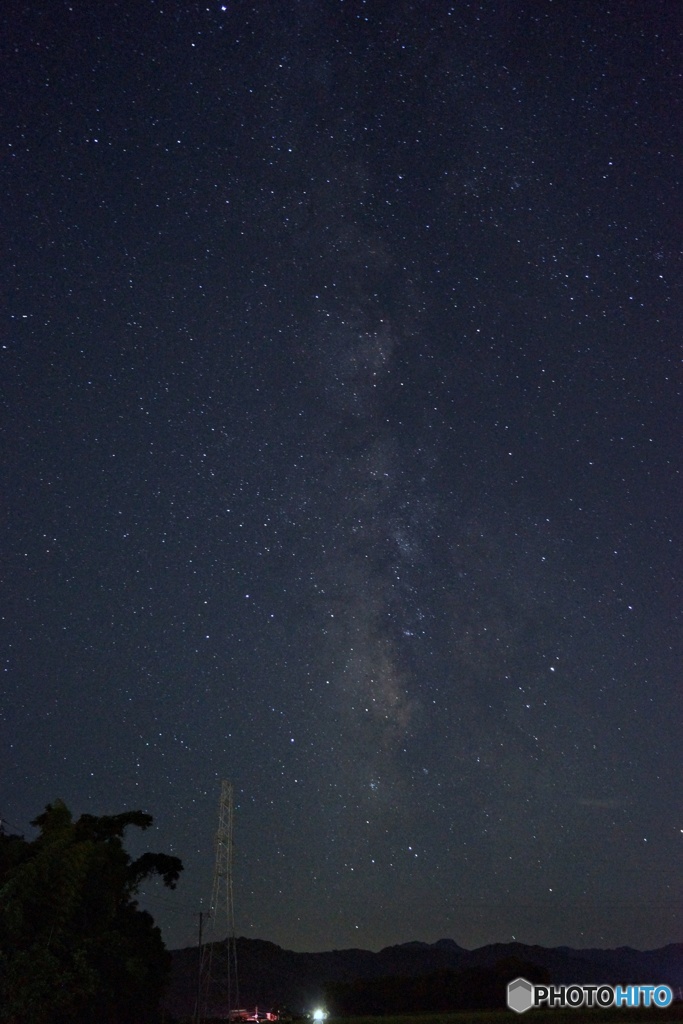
x,y
670,1015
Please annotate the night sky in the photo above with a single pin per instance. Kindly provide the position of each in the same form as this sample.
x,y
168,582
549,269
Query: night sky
x,y
341,455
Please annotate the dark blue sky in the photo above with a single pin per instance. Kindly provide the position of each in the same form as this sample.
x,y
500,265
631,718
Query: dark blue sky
x,y
341,448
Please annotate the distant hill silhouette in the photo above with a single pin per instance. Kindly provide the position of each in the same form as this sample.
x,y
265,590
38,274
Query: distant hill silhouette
x,y
272,976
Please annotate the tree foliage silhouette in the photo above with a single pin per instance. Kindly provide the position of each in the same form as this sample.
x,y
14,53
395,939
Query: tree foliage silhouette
x,y
73,944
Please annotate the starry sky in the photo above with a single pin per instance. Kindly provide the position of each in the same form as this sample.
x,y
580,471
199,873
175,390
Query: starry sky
x,y
340,416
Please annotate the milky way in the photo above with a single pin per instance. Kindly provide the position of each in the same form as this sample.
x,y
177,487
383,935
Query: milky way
x,y
340,413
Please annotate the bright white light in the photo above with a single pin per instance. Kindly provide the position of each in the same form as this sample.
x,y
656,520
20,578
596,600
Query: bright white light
x,y
319,1014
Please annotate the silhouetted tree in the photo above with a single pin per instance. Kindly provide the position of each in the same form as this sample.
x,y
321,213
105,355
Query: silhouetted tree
x,y
73,944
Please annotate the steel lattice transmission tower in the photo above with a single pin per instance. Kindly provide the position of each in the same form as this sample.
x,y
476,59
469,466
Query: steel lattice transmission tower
x,y
218,986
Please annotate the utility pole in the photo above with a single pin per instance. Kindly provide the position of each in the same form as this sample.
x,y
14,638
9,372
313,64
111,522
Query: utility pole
x,y
197,1016
218,989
